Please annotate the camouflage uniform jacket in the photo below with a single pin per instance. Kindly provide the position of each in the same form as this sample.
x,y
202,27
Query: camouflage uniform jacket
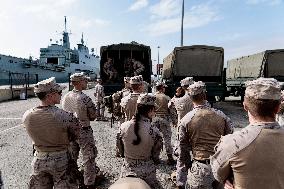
x,y
163,110
117,109
183,105
140,159
128,104
99,93
200,130
50,128
150,145
252,157
80,105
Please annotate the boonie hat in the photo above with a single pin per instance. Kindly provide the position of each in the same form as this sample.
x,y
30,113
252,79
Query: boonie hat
x,y
263,88
48,85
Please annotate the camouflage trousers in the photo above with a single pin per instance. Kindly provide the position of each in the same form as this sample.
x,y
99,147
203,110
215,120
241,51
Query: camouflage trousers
x,y
144,169
163,124
200,176
100,108
86,143
51,170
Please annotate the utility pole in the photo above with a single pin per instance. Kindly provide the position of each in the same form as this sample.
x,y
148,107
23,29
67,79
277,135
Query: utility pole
x,y
182,17
158,67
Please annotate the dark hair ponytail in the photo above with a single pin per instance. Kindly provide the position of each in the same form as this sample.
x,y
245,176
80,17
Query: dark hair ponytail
x,y
141,110
136,129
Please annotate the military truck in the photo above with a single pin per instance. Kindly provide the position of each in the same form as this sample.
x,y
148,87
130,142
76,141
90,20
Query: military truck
x,y
203,63
124,59
268,64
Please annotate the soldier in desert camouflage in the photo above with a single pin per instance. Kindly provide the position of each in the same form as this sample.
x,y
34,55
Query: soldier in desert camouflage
x,y
51,130
109,69
140,143
200,130
183,104
99,97
129,102
138,67
84,109
117,109
163,118
253,157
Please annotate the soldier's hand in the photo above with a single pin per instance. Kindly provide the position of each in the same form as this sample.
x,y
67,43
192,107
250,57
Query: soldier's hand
x,y
228,185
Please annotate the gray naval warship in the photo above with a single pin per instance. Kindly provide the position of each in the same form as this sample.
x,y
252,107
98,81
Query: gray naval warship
x,y
57,60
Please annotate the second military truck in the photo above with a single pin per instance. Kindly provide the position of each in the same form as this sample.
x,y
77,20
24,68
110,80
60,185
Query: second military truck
x,y
203,63
268,64
121,60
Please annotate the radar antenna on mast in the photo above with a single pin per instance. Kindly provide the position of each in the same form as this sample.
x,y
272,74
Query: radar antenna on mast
x,y
66,42
82,39
65,23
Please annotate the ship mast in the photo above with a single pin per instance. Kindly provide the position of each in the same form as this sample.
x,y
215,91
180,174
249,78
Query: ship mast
x,y
82,39
66,42
65,22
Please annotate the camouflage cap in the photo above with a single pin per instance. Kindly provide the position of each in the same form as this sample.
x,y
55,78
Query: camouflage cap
x,y
263,88
79,77
160,83
48,85
136,80
186,81
130,183
146,99
126,79
196,88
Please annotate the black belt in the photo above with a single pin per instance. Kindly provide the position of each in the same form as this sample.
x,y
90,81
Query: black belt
x,y
205,161
86,128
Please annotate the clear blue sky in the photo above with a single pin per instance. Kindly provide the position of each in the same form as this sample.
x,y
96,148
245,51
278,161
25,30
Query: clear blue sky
x,y
241,27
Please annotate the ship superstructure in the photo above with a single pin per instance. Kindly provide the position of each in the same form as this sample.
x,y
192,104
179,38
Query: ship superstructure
x,y
57,60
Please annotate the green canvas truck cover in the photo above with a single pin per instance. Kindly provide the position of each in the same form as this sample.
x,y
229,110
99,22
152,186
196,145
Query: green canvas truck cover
x,y
196,60
269,63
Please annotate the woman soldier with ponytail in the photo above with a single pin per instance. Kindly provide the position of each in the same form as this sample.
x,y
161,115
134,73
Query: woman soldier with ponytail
x,y
140,144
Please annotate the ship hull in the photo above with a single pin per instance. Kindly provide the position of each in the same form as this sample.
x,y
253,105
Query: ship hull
x,y
21,71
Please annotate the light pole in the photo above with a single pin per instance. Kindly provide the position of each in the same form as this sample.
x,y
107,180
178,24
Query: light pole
x,y
158,67
182,16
